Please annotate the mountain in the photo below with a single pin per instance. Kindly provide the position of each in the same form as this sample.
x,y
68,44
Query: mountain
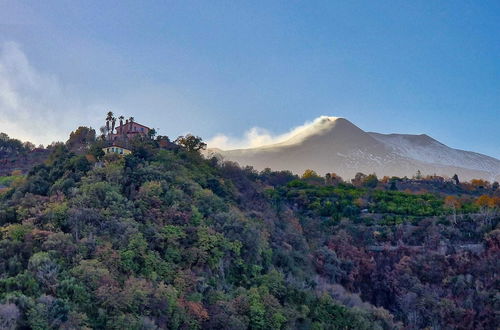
x,y
334,144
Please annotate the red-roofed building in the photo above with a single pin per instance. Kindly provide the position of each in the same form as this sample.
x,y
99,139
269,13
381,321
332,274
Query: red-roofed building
x,y
130,130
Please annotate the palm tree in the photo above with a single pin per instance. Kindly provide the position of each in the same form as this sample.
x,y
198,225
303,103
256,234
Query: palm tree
x,y
113,123
109,117
131,121
121,124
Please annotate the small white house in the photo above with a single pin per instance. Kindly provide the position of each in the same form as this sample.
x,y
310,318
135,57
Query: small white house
x,y
116,150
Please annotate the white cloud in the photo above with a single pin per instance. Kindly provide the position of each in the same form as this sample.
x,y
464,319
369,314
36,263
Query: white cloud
x,y
257,137
36,106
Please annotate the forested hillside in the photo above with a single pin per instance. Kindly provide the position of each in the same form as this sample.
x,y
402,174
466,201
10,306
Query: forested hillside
x,y
16,155
166,239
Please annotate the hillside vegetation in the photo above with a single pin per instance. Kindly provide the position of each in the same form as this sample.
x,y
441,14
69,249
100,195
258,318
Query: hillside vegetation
x,y
166,239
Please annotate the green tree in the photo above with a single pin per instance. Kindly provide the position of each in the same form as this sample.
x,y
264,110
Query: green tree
x,y
370,181
191,143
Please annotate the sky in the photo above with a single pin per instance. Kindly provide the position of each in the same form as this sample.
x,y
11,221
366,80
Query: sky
x,y
248,72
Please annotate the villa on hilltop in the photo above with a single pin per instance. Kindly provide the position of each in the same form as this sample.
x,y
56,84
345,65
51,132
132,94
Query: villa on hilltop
x,y
129,130
118,137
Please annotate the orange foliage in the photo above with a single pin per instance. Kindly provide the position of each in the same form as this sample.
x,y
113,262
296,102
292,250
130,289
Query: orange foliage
x,y
195,309
452,201
17,173
487,201
91,158
309,174
479,183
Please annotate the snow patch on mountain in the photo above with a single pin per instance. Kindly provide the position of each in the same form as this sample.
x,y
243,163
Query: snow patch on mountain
x,y
426,149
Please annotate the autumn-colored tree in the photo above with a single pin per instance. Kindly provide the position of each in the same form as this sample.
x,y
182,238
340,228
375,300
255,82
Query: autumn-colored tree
x,y
485,201
480,184
452,202
309,174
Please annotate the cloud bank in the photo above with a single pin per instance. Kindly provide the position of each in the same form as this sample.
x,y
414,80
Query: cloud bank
x,y
258,137
35,106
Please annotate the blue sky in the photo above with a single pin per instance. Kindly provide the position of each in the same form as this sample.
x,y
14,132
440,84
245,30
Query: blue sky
x,y
223,67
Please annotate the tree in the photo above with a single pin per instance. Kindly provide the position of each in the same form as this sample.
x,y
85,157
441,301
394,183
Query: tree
x,y
96,149
28,146
121,124
109,118
358,180
485,201
113,123
393,185
9,314
191,143
308,174
44,269
333,179
152,133
370,181
131,122
9,147
455,179
453,204
81,138
480,184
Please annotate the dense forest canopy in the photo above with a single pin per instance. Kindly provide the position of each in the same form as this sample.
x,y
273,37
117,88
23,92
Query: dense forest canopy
x,y
165,238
